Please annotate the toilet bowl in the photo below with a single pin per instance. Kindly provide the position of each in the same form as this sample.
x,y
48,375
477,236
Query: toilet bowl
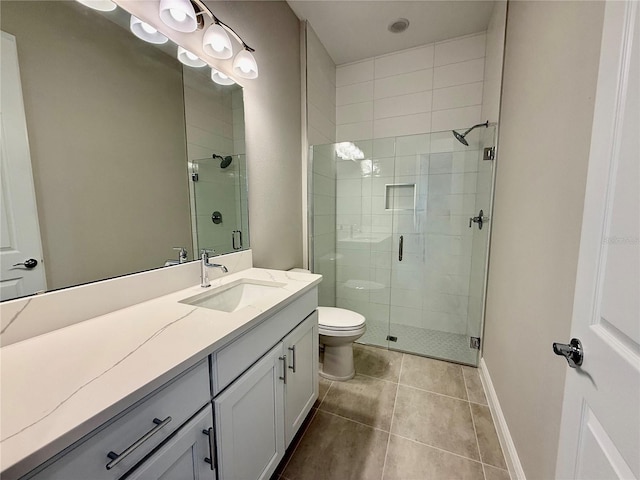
x,y
338,329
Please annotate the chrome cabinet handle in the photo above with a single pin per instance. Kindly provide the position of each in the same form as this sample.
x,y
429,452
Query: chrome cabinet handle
x,y
211,459
400,248
293,358
284,368
117,458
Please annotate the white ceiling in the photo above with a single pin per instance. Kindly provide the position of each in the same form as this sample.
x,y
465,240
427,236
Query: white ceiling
x,y
353,30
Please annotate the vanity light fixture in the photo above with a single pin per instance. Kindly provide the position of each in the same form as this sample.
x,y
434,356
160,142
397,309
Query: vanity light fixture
x,y
189,59
216,43
220,78
244,65
101,5
179,15
146,32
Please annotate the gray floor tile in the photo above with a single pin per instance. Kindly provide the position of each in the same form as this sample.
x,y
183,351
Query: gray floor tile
x,y
436,420
408,460
363,399
323,388
492,473
336,448
433,375
377,362
488,442
475,392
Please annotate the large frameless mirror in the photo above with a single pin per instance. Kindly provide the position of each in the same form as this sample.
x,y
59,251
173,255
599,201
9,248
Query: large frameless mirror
x,y
133,155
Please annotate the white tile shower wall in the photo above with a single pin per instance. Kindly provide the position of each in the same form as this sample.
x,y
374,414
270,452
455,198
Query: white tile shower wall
x,y
321,131
321,92
420,90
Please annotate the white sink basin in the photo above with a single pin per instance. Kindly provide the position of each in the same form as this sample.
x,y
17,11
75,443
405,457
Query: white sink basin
x,y
234,295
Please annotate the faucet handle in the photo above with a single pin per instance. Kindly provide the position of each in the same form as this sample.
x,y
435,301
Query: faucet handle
x,y
205,252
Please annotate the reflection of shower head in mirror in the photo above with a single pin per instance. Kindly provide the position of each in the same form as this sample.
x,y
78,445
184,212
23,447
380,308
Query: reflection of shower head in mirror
x,y
225,161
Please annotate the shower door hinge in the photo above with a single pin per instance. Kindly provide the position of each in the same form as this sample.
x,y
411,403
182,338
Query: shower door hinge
x,y
489,153
391,338
474,342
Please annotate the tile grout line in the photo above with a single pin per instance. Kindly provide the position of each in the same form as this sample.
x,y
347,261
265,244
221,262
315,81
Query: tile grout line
x,y
305,431
352,420
436,448
299,442
393,412
475,431
325,394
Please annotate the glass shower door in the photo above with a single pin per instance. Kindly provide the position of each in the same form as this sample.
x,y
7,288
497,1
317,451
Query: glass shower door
x,y
438,259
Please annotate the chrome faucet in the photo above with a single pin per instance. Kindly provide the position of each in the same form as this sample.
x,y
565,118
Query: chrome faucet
x,y
183,255
205,265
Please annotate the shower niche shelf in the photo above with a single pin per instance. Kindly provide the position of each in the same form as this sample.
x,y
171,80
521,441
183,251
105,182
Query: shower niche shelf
x,y
400,196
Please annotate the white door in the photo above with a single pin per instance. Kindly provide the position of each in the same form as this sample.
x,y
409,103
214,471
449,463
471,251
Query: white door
x,y
600,430
19,230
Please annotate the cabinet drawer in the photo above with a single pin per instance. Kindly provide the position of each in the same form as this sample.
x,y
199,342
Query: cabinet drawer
x,y
230,361
148,424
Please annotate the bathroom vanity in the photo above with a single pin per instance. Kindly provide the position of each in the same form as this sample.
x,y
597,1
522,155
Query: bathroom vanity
x,y
165,388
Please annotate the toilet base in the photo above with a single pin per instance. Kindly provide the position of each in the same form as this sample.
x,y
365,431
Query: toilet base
x,y
338,362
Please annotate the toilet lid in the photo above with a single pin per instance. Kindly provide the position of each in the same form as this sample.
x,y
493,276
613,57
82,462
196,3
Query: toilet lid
x,y
331,318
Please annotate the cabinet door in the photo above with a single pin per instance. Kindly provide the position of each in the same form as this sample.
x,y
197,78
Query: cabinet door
x,y
185,456
301,387
250,420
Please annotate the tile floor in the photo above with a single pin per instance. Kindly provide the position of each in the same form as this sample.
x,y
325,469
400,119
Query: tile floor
x,y
402,417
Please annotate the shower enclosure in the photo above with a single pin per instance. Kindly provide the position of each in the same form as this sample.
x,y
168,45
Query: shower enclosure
x,y
219,206
397,231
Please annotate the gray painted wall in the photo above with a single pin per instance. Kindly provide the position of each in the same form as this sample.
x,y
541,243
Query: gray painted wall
x,y
551,62
273,131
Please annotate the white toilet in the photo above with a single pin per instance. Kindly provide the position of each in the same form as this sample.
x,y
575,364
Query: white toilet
x,y
338,329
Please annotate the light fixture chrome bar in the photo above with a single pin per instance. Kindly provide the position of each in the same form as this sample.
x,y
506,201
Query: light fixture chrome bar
x,y
202,9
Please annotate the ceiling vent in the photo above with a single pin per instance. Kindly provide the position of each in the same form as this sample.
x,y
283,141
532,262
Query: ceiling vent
x,y
398,26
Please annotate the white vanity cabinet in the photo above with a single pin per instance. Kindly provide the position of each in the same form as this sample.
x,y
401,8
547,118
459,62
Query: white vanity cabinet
x,y
250,421
185,456
301,387
116,447
258,415
229,417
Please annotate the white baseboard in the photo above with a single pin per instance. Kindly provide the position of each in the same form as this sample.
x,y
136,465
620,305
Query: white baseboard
x,y
508,447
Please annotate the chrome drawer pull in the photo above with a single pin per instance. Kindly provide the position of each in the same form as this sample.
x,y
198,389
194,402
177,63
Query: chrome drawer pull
x,y
212,449
284,368
293,358
116,459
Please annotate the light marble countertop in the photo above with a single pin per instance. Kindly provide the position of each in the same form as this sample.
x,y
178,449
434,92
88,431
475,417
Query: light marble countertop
x,y
60,386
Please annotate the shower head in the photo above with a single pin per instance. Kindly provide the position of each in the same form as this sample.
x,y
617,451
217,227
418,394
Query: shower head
x,y
460,136
224,161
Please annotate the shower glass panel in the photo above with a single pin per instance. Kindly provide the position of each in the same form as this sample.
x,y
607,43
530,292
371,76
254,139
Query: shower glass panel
x,y
390,233
219,195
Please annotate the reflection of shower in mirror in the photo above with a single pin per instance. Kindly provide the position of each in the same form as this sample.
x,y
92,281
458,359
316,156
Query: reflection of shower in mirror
x,y
224,161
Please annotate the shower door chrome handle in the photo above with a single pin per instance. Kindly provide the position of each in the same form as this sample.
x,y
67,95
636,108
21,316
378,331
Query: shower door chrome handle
x,y
400,247
480,219
236,234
